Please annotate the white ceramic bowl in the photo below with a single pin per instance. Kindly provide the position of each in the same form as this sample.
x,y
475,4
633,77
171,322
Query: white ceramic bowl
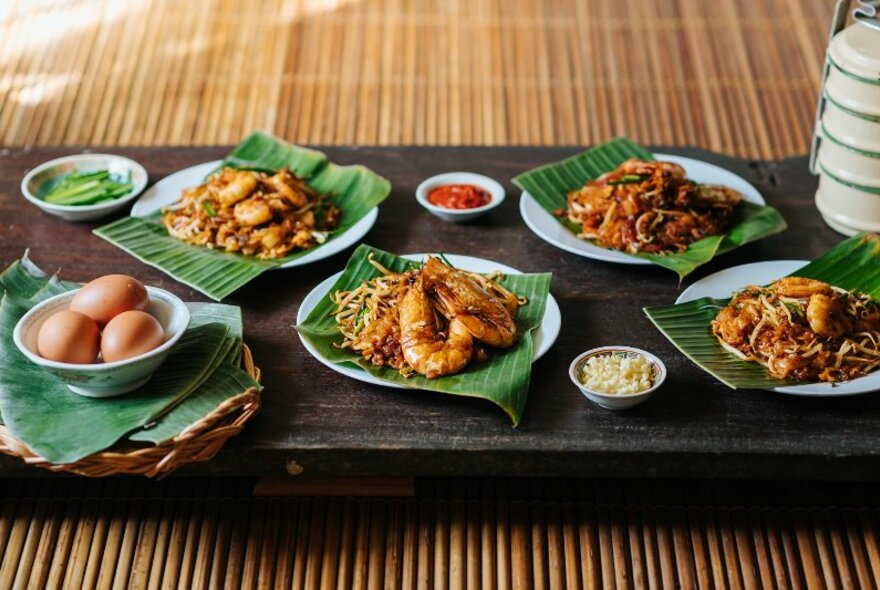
x,y
856,49
617,401
104,379
846,209
493,187
859,168
36,179
853,129
853,94
854,78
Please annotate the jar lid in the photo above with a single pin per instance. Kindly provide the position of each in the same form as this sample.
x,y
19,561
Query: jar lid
x,y
856,51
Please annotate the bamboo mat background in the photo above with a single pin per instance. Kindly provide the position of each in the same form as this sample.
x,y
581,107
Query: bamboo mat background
x,y
471,533
736,76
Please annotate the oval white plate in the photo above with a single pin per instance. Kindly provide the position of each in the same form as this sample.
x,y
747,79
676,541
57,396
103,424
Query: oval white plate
x,y
167,191
725,282
542,338
548,228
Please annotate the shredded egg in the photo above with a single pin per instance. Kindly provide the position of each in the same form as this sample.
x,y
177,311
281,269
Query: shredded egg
x,y
617,373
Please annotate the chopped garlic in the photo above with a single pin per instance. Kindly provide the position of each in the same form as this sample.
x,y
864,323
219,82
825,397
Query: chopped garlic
x,y
617,373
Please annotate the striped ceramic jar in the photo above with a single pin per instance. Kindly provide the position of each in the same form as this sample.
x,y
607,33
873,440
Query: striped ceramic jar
x,y
849,155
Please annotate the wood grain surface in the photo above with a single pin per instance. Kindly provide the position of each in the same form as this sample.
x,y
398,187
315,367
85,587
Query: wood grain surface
x,y
318,422
735,76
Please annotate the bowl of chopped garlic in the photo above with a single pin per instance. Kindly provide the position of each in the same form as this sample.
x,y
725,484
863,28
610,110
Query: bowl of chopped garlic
x,y
617,377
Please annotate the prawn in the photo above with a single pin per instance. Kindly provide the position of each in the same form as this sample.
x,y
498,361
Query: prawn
x,y
461,298
280,182
421,342
253,211
801,288
240,183
825,316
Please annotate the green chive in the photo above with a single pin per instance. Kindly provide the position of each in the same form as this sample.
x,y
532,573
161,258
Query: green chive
x,y
628,179
361,320
794,308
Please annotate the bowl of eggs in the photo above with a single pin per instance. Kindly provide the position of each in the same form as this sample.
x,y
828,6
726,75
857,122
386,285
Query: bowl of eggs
x,y
106,338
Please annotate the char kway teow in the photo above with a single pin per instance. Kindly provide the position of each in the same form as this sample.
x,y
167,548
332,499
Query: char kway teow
x,y
252,213
649,207
803,329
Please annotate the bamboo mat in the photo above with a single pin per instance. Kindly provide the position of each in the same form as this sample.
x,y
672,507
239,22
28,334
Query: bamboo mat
x,y
498,534
736,76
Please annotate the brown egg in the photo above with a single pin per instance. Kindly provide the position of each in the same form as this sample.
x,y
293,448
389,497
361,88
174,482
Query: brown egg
x,y
130,334
69,337
108,296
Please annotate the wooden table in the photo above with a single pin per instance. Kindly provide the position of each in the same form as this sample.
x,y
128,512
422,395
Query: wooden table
x,y
315,421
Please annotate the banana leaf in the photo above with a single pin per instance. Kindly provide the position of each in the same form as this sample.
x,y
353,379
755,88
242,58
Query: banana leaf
x,y
226,381
503,380
551,183
852,264
217,274
64,427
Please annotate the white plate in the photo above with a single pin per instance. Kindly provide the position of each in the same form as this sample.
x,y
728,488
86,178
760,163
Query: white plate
x,y
167,191
548,228
724,283
543,336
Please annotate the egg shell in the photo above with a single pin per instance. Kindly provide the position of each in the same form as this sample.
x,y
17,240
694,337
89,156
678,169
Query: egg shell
x,y
130,334
69,337
108,296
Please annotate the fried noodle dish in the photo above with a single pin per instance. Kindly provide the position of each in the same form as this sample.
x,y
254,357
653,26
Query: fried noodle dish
x,y
649,207
803,329
433,320
254,213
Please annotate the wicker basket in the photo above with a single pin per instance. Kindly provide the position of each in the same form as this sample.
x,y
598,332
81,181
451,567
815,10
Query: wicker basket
x,y
198,442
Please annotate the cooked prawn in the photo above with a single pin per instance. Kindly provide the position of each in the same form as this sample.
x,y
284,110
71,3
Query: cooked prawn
x,y
253,211
826,316
239,184
424,347
799,287
280,182
462,298
636,166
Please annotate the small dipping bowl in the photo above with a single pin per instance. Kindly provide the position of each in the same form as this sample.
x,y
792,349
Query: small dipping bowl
x,y
620,401
493,187
37,182
105,379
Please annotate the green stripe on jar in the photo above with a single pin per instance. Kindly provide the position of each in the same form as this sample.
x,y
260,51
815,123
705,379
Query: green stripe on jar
x,y
849,111
875,190
848,74
830,137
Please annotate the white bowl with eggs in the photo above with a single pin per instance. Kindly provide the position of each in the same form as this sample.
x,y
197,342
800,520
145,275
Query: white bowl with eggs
x,y
490,185
100,379
634,382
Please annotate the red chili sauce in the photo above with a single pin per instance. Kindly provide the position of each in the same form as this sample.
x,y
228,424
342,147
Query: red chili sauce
x,y
459,196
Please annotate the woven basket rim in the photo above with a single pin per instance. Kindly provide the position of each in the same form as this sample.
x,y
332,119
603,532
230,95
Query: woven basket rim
x,y
199,441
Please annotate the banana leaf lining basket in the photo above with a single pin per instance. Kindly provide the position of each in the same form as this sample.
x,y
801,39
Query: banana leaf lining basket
x,y
200,441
